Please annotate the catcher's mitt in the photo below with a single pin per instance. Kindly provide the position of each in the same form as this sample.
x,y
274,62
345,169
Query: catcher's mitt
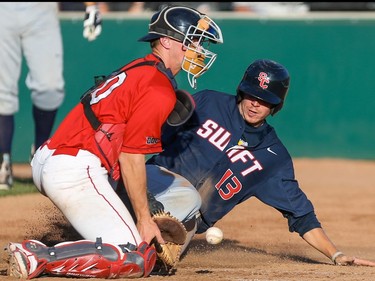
x,y
174,234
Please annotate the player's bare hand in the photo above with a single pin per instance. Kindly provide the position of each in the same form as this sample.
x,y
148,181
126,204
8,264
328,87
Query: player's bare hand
x,y
92,24
358,261
346,260
149,230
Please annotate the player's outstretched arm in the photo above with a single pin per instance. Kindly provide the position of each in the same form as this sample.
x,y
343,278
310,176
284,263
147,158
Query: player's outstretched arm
x,y
318,239
133,173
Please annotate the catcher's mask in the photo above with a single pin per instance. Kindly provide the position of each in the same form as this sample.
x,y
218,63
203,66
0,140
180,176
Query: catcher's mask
x,y
266,80
194,29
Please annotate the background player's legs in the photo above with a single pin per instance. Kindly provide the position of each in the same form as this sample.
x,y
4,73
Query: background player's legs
x,y
44,56
43,120
6,135
10,61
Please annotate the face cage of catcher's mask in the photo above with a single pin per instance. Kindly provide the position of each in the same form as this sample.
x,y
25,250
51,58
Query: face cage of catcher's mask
x,y
190,63
197,41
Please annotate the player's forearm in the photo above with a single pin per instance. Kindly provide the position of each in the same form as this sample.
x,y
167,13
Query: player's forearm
x,y
134,176
318,239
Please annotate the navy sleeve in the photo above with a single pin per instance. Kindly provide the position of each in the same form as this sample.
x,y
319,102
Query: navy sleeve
x,y
303,224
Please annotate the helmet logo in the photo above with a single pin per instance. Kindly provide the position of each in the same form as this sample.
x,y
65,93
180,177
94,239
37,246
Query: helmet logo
x,y
263,78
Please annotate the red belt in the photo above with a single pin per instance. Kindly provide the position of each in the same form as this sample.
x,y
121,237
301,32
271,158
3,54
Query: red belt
x,y
73,151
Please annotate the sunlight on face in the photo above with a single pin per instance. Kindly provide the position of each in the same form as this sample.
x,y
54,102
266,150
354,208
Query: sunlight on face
x,y
254,110
177,53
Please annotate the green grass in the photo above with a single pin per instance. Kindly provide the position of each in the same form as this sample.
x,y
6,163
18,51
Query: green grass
x,y
20,187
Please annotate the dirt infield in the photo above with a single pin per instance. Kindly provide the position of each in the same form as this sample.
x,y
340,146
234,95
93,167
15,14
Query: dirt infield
x,y
257,244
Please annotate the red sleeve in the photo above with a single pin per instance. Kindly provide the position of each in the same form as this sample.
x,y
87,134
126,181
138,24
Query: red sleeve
x,y
152,104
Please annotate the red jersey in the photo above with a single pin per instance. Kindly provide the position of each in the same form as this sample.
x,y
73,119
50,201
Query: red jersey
x,y
141,98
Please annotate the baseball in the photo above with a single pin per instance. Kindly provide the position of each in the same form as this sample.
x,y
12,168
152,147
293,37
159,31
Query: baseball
x,y
214,235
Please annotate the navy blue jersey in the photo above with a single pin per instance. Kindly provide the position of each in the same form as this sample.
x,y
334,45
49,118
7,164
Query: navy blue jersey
x,y
229,161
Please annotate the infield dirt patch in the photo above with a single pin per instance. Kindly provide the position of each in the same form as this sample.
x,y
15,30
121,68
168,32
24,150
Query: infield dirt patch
x,y
257,244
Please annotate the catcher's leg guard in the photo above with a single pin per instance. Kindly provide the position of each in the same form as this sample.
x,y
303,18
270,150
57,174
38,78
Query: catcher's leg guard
x,y
23,263
149,256
82,258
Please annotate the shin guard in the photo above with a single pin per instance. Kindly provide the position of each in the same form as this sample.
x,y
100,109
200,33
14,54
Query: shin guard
x,y
84,259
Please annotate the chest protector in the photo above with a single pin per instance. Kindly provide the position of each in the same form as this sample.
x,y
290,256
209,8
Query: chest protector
x,y
109,139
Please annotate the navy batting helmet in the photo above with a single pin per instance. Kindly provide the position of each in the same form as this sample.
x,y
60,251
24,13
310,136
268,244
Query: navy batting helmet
x,y
266,80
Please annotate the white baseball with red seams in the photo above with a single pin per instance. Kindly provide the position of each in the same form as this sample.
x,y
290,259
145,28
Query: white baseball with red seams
x,y
214,235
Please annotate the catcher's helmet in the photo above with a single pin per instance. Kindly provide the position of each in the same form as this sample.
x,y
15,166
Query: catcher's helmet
x,y
194,29
266,80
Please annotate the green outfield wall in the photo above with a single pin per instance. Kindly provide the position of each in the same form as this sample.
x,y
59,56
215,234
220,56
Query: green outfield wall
x,y
329,111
